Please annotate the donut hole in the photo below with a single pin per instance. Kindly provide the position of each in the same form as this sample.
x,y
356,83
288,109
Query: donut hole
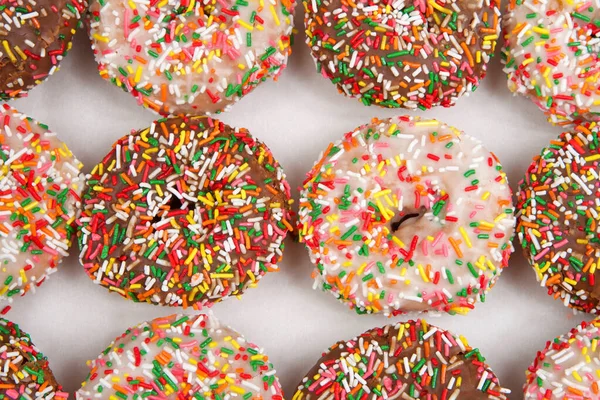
x,y
406,219
174,203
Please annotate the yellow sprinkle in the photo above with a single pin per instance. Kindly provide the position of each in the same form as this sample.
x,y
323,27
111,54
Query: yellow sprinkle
x,y
245,25
465,236
275,17
592,157
539,30
427,123
422,273
9,51
100,38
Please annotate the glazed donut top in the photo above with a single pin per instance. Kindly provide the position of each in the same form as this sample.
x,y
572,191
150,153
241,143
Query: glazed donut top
x,y
411,54
40,184
411,360
551,55
24,372
34,37
568,367
189,56
184,213
181,357
557,204
406,215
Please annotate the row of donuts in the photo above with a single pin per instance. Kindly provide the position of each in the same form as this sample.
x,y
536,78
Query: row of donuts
x,y
196,357
400,215
190,211
189,57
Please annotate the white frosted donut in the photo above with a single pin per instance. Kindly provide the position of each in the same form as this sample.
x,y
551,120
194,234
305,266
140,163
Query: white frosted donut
x,y
568,366
40,184
191,357
190,56
551,56
407,215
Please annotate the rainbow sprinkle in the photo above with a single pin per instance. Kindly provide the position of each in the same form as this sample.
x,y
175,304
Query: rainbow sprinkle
x,y
558,203
409,360
567,368
551,56
187,56
181,357
411,54
24,370
184,213
40,184
35,36
407,215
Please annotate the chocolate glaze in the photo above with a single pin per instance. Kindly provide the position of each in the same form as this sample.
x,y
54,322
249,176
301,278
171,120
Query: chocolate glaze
x,y
229,146
35,41
26,358
364,32
441,352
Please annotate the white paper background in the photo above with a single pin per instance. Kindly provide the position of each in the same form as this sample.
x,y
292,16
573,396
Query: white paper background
x,y
72,320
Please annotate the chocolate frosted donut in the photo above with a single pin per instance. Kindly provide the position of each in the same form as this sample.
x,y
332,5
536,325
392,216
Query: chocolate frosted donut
x,y
184,213
557,203
25,372
181,357
408,360
411,54
34,38
406,214
40,185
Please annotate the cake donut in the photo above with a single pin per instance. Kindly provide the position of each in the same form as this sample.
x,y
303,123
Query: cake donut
x,y
406,214
34,38
25,372
184,213
567,367
40,187
551,57
187,56
557,215
181,357
408,360
411,54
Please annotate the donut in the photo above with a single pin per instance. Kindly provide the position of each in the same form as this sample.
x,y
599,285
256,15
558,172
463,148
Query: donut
x,y
34,38
422,54
567,368
406,214
407,360
184,213
551,57
188,56
181,357
25,372
40,188
557,217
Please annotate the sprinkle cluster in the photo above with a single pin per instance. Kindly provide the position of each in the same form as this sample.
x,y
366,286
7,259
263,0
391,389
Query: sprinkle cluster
x,y
24,370
184,213
40,185
558,221
568,367
181,357
407,215
409,360
551,56
34,38
189,56
403,53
